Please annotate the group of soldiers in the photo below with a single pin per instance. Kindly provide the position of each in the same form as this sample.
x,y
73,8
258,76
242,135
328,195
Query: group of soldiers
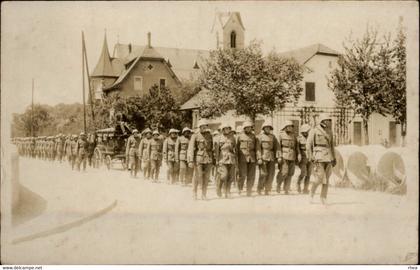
x,y
76,149
231,157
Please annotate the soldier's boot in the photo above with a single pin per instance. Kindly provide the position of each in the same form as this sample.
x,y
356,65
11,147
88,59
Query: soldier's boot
x,y
306,185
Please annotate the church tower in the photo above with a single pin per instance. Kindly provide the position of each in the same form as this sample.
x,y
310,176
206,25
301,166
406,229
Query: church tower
x,y
228,30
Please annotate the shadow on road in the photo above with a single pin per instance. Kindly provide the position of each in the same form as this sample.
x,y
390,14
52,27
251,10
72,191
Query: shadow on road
x,y
30,206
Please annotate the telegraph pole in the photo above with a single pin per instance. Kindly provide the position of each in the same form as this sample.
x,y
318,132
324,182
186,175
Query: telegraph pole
x,y
88,77
32,110
83,82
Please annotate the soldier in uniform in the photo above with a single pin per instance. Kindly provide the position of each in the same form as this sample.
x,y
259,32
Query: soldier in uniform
x,y
214,173
226,159
181,147
304,164
155,155
131,152
169,155
287,155
320,150
266,150
60,147
200,154
246,142
74,151
92,141
143,156
81,149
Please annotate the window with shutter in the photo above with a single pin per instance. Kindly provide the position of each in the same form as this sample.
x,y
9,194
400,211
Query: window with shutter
x,y
162,82
309,91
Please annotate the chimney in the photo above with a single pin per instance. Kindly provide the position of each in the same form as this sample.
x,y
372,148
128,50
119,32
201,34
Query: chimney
x,y
129,48
149,41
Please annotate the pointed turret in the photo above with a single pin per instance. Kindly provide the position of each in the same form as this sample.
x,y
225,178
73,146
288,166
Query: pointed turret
x,y
104,67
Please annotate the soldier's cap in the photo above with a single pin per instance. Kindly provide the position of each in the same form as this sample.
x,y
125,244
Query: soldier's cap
x,y
155,132
324,117
225,125
267,124
215,133
135,131
207,130
287,123
186,130
147,130
247,124
82,134
172,130
305,128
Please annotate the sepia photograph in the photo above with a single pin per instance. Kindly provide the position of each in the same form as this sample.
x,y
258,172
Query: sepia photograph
x,y
209,133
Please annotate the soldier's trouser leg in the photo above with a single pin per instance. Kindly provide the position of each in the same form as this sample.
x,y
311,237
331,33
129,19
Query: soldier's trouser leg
x,y
270,176
189,174
263,176
146,168
307,177
303,166
280,177
322,172
287,171
182,171
198,178
154,169
227,173
250,179
218,178
243,173
202,177
171,172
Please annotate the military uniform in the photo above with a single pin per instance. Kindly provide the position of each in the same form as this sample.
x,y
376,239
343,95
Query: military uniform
x,y
74,152
67,149
246,143
170,160
226,160
131,153
60,148
92,141
82,150
320,150
304,165
266,154
200,153
287,154
181,148
154,153
143,156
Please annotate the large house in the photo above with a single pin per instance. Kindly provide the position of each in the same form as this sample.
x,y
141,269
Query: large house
x,y
133,69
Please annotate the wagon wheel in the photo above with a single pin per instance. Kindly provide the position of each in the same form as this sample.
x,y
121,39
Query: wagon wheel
x,y
97,158
124,164
108,161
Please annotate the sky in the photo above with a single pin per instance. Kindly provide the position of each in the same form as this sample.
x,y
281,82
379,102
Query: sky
x,y
42,40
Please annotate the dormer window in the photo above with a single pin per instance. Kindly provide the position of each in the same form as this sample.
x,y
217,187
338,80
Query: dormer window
x,y
233,40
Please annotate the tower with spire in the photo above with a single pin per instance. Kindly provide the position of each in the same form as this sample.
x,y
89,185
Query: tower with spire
x,y
104,73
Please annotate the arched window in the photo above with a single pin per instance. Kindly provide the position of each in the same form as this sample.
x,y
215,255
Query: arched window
x,y
233,39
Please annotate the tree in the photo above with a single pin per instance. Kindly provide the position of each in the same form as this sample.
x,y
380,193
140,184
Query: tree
x,y
160,109
398,101
362,77
35,121
248,82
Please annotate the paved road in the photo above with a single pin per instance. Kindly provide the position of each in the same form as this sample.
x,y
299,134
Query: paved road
x,y
160,223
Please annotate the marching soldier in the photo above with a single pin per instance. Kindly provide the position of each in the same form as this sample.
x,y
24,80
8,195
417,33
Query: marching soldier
x,y
60,147
304,164
226,160
143,156
200,154
74,151
131,152
169,155
155,155
246,142
92,141
181,147
287,155
266,150
320,150
81,150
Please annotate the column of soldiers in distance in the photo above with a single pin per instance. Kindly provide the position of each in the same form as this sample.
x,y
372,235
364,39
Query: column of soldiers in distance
x,y
77,150
193,157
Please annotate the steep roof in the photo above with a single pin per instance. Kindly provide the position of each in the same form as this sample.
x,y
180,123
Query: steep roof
x,y
222,18
182,61
104,67
194,102
303,55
